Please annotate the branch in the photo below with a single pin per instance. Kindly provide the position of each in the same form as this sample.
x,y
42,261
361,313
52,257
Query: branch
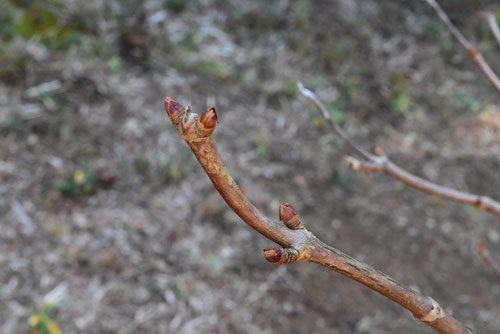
x,y
296,241
380,163
475,55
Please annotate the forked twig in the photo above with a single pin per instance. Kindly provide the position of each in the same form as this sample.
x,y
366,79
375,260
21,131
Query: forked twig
x,y
380,163
297,242
475,55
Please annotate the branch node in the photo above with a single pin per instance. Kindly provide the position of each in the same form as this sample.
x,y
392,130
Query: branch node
x,y
377,150
472,51
481,202
290,218
353,163
481,247
280,255
435,313
365,167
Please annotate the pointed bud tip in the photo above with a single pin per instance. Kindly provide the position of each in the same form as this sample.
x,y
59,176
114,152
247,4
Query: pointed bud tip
x,y
172,106
273,255
209,118
287,213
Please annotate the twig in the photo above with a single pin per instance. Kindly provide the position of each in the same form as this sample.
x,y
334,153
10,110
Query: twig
x,y
485,255
297,242
326,115
475,55
492,21
380,163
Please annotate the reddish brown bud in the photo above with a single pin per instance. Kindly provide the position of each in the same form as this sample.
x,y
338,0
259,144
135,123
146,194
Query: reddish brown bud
x,y
280,255
290,217
481,247
479,203
209,118
172,106
273,255
472,52
287,212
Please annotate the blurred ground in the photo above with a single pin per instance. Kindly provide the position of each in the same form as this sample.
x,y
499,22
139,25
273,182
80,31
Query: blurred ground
x,y
104,210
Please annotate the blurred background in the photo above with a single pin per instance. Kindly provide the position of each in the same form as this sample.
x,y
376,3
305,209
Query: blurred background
x,y
109,225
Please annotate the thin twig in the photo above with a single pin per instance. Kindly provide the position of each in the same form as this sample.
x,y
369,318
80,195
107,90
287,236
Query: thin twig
x,y
381,163
475,55
326,115
493,23
297,242
485,255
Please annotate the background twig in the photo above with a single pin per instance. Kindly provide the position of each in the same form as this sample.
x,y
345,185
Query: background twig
x,y
485,255
493,23
381,163
476,56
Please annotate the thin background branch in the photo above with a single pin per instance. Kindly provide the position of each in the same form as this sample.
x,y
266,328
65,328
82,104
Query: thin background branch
x,y
475,55
485,255
493,23
380,163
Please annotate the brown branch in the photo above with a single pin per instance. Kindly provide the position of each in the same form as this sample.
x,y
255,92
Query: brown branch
x,y
475,55
387,166
380,163
297,242
485,255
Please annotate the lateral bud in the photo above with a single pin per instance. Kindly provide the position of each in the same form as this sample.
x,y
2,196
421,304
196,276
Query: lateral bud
x,y
435,312
280,255
206,122
209,118
290,218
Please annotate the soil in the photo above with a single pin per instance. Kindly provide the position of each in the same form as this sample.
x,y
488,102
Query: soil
x,y
105,212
